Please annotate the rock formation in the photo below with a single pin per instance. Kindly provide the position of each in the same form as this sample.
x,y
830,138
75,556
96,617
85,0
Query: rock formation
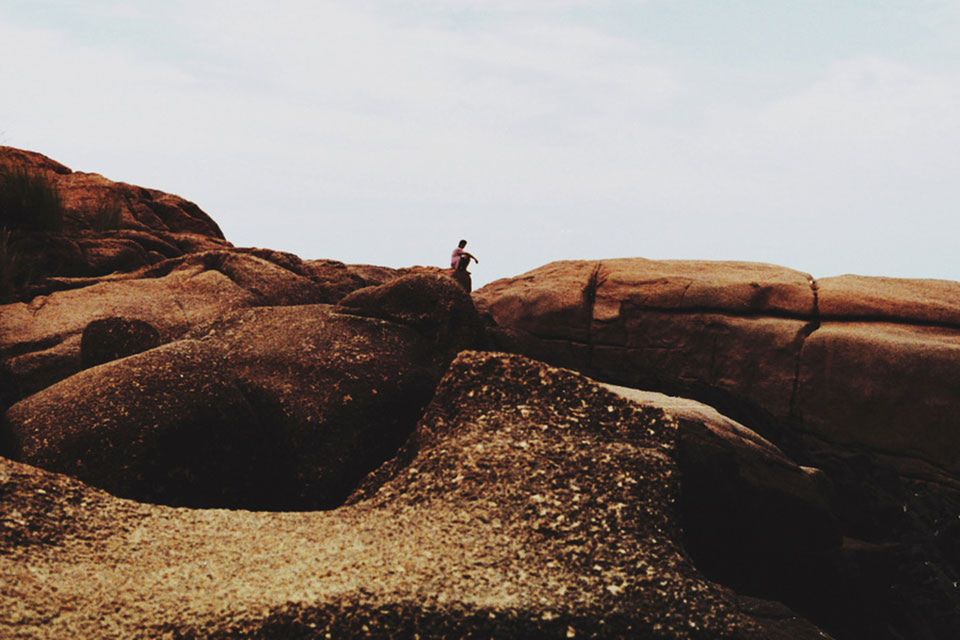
x,y
282,407
853,375
539,506
108,226
113,338
807,453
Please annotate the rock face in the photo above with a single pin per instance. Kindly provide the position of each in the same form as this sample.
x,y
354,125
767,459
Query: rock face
x,y
114,338
856,376
675,326
487,525
428,303
762,339
752,518
281,407
86,194
40,341
108,226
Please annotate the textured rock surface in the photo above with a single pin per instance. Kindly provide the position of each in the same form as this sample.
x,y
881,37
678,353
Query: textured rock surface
x,y
145,226
856,376
276,407
84,194
674,326
753,519
539,506
114,338
40,340
826,357
425,302
753,503
161,425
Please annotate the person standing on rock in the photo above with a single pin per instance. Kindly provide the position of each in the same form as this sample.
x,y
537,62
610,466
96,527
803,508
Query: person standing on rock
x,y
460,259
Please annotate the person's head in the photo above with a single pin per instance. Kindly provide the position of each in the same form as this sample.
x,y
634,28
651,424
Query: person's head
x,y
462,244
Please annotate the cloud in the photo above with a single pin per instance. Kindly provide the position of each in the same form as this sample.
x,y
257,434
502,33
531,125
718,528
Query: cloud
x,y
375,132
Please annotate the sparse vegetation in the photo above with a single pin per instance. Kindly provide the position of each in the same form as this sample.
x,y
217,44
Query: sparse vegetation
x,y
11,265
108,215
29,201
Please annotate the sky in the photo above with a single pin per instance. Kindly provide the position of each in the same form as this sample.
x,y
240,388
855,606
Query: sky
x,y
820,135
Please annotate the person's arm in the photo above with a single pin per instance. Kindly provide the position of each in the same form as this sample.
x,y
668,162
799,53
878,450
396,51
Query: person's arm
x,y
470,256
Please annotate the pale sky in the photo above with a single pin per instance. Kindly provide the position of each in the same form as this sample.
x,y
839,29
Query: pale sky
x,y
820,135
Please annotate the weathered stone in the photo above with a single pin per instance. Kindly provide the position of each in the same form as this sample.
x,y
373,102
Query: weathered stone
x,y
753,519
329,396
898,300
852,375
489,528
432,304
887,387
715,331
114,338
107,226
167,425
37,345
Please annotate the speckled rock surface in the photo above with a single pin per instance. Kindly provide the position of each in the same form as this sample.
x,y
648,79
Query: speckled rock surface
x,y
147,225
114,338
855,376
753,518
282,407
40,340
430,303
531,503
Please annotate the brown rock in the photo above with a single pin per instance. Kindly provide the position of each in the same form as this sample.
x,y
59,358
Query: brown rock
x,y
325,398
491,529
737,337
433,304
891,388
107,226
715,331
166,425
852,375
114,338
752,518
37,345
106,255
898,300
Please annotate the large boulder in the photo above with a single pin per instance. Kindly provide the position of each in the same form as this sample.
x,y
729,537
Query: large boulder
x,y
530,503
760,341
114,338
718,332
85,195
166,425
856,376
95,226
326,395
40,340
432,304
753,518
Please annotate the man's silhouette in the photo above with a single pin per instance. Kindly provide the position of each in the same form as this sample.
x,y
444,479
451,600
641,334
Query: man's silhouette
x,y
460,259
